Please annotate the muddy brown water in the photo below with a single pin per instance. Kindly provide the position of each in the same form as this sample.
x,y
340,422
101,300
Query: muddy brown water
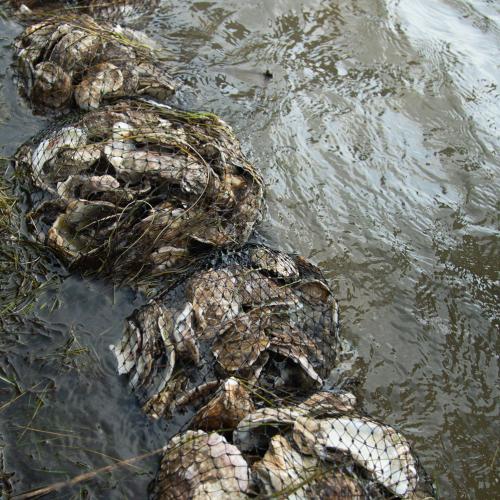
x,y
378,138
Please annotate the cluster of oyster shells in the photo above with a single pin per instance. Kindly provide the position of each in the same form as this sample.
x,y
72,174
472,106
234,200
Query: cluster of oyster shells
x,y
320,448
240,349
100,9
137,188
258,320
75,60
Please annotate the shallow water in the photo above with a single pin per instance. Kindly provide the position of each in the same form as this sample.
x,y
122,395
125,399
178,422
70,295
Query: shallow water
x,y
378,138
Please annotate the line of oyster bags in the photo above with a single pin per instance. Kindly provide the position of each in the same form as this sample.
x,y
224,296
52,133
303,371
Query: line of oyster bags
x,y
236,347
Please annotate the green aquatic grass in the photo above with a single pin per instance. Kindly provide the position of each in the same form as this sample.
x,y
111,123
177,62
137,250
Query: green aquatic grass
x,y
24,271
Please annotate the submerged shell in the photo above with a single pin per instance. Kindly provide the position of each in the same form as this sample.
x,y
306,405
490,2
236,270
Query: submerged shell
x,y
380,449
201,466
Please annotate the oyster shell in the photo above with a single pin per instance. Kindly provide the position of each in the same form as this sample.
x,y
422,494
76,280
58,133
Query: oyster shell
x,y
228,407
148,359
216,303
284,472
240,343
123,10
49,78
276,263
73,161
74,49
85,186
82,227
378,448
101,81
254,431
230,321
68,138
161,404
198,465
326,403
184,337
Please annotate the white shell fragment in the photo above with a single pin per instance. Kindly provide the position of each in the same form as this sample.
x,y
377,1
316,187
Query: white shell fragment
x,y
202,466
380,449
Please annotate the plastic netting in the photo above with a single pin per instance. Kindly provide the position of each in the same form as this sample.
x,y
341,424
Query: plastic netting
x,y
237,354
257,315
74,61
321,448
119,10
138,189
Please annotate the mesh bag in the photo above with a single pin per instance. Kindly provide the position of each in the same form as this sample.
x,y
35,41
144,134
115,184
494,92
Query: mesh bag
x,y
244,328
319,448
72,60
119,10
235,355
136,189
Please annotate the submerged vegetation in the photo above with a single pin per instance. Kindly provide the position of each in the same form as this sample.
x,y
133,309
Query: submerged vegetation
x,y
24,270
